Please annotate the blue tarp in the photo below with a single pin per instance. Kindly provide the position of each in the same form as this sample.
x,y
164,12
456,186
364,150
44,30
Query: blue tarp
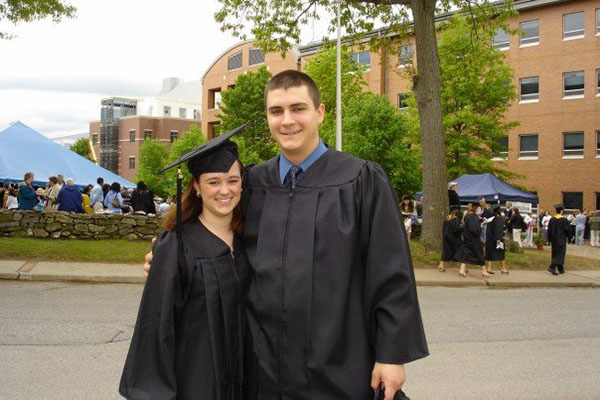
x,y
22,149
471,187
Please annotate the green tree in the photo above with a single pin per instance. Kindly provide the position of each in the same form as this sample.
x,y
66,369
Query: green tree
x,y
153,158
276,26
82,147
15,11
376,130
188,141
477,89
245,103
321,68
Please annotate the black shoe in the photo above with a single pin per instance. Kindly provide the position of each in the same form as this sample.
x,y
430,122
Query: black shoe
x,y
561,269
552,271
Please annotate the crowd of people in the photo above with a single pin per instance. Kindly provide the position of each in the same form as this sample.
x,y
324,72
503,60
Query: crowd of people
x,y
61,194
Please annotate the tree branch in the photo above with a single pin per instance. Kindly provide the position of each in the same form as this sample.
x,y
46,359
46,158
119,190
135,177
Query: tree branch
x,y
386,2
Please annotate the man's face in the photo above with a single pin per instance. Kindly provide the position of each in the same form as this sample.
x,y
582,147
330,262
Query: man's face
x,y
60,179
294,121
30,180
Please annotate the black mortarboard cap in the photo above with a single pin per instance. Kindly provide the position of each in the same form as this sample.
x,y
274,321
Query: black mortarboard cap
x,y
559,207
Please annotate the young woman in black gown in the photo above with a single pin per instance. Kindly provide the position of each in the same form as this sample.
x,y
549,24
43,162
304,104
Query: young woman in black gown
x,y
494,241
452,238
188,341
471,251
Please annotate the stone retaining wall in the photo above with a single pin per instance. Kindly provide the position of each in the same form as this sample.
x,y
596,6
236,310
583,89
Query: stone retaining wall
x,y
78,226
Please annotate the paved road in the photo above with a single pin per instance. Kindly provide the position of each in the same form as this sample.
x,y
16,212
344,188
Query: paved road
x,y
67,341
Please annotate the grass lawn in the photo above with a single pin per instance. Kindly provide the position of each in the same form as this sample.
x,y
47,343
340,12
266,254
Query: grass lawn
x,y
132,252
106,251
530,259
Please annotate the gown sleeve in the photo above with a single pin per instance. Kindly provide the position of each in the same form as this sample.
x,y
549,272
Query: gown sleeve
x,y
149,371
395,323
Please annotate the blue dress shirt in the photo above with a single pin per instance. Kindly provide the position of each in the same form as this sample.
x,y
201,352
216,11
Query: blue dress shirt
x,y
285,164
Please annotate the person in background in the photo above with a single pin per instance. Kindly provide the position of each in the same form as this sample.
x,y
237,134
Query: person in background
x,y
453,197
60,181
86,203
545,222
517,225
452,238
40,202
113,201
485,213
528,223
471,251
595,229
572,225
586,232
52,191
580,220
559,233
11,199
407,208
2,194
69,198
97,195
105,190
26,194
141,199
163,208
494,243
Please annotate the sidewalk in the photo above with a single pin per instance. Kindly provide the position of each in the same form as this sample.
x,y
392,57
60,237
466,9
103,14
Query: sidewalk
x,y
128,273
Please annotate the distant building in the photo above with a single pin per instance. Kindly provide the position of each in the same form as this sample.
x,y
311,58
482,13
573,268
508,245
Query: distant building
x,y
125,123
69,140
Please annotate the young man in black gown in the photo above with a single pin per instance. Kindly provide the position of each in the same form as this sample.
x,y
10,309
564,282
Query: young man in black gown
x,y
559,232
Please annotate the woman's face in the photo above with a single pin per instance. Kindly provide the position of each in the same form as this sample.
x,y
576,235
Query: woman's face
x,y
406,201
220,192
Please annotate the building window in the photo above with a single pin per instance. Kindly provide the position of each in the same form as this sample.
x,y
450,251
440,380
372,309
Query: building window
x,y
147,134
173,136
402,103
598,82
502,148
573,144
501,40
256,56
196,114
234,61
597,143
132,162
182,112
214,98
529,88
94,138
597,201
212,129
528,146
573,84
573,25
530,33
406,55
132,135
573,200
166,111
597,21
363,58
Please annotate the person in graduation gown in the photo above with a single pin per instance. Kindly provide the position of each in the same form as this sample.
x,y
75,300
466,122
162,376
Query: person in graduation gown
x,y
189,335
494,241
332,306
471,252
452,238
559,232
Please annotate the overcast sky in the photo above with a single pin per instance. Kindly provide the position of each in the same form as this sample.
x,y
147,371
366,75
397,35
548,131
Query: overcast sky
x,y
52,76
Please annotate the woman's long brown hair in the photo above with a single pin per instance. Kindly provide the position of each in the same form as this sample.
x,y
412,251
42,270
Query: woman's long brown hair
x,y
191,207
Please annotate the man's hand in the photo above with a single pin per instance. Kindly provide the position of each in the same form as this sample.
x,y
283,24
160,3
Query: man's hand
x,y
148,259
390,376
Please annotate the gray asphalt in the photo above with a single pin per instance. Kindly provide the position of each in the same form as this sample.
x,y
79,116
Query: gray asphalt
x,y
67,341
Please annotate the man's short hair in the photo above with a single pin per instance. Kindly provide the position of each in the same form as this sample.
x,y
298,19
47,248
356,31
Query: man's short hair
x,y
70,181
292,78
53,179
100,181
27,175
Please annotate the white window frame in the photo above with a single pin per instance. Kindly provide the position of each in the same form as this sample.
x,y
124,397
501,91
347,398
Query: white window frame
x,y
502,155
530,97
356,57
184,112
570,154
502,46
401,60
597,21
598,144
529,154
130,132
532,41
598,82
572,35
131,160
573,93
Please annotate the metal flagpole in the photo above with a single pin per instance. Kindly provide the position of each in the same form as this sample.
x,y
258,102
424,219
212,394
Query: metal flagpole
x,y
338,96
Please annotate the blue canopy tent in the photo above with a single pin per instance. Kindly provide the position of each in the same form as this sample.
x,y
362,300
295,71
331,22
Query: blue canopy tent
x,y
22,149
471,187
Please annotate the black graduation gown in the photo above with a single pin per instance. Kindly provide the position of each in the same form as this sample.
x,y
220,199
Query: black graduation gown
x,y
453,199
452,239
471,251
188,338
494,232
559,230
333,287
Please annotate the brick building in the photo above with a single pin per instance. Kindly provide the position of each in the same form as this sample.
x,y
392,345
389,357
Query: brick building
x,y
556,65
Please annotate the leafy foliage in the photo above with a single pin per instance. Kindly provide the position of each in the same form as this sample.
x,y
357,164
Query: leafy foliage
x,y
188,141
27,10
153,158
82,147
245,103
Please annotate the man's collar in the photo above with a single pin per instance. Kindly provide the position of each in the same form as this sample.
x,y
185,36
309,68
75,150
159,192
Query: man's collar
x,y
285,164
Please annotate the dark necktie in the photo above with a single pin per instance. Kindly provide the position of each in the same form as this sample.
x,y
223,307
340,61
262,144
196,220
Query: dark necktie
x,y
293,176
